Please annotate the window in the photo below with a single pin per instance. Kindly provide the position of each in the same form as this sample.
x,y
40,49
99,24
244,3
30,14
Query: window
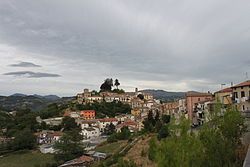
x,y
243,107
242,87
199,99
235,95
242,94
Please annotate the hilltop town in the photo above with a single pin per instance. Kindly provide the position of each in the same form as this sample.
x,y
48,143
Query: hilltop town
x,y
95,120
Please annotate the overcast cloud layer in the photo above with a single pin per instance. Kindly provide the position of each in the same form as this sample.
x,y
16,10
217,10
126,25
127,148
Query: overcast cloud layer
x,y
176,45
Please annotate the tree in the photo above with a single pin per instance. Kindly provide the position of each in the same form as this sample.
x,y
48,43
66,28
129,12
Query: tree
x,y
24,139
214,145
117,83
166,119
69,147
69,123
107,85
163,133
140,96
109,129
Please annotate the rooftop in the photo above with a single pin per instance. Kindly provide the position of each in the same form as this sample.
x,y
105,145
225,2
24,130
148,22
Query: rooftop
x,y
197,94
246,83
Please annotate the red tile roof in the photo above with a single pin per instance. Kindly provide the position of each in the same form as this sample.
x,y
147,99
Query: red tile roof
x,y
83,111
108,120
246,83
225,90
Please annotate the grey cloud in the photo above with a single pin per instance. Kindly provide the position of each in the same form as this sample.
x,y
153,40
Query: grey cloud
x,y
25,64
172,40
30,74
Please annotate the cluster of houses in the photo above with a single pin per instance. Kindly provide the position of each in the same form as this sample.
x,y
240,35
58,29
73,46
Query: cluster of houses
x,y
195,106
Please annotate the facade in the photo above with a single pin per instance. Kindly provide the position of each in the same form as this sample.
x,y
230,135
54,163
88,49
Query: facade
x,y
241,96
90,132
88,114
106,121
48,137
224,96
192,98
171,108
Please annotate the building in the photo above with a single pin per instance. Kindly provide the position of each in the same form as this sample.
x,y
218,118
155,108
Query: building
x,y
88,114
90,132
241,96
224,96
182,106
48,136
107,121
132,126
192,98
171,108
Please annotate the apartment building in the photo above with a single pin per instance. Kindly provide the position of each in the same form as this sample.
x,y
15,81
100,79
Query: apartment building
x,y
241,96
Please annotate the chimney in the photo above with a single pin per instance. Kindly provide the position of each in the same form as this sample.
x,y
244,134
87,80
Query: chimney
x,y
136,90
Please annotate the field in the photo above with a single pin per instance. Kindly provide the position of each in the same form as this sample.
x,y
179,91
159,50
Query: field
x,y
112,147
26,159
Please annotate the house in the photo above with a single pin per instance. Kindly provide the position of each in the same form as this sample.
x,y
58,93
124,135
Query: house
x,y
90,132
224,96
195,97
241,96
88,114
136,112
48,137
202,111
171,108
87,123
82,161
125,117
182,105
51,121
106,121
132,126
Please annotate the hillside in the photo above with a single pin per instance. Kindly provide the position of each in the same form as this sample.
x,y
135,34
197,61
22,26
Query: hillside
x,y
165,95
33,102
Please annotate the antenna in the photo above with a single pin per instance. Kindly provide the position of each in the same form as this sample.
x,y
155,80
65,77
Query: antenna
x,y
246,75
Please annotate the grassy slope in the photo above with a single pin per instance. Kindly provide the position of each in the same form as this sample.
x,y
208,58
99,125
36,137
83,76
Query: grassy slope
x,y
112,147
25,159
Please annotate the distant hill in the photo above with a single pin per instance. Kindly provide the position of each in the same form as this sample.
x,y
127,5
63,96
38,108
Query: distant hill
x,y
165,95
33,102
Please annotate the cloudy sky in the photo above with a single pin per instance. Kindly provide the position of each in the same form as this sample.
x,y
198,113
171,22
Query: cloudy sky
x,y
62,46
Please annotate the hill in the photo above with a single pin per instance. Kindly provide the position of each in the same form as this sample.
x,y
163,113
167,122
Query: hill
x,y
165,95
33,102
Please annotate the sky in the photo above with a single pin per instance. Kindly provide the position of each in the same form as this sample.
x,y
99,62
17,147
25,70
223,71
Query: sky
x,y
63,46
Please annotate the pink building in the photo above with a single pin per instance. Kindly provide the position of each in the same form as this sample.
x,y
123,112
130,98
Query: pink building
x,y
195,97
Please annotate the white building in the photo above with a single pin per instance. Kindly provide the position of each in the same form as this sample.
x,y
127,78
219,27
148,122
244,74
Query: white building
x,y
90,132
107,121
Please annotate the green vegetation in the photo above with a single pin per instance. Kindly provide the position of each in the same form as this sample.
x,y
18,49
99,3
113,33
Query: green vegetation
x,y
52,110
214,145
27,159
111,148
69,146
104,109
155,124
123,135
